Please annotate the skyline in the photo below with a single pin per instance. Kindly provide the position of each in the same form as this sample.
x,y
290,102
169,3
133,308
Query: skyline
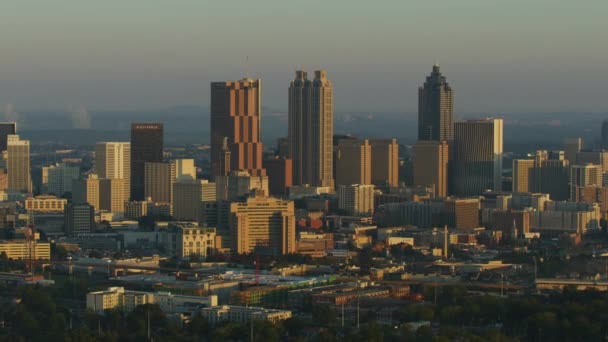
x,y
501,58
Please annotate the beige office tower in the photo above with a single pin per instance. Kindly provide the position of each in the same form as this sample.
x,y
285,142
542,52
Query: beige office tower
x,y
113,160
311,129
356,199
431,166
112,195
385,162
354,162
239,183
159,178
477,163
572,147
188,195
584,175
18,165
263,224
523,175
86,190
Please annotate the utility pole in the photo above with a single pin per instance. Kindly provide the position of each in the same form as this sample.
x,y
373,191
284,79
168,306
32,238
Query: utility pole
x,y
148,312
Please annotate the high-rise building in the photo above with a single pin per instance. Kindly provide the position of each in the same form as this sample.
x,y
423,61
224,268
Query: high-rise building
x,y
477,164
60,178
584,175
593,157
311,129
263,224
239,183
572,147
280,175
188,195
356,199
6,129
385,162
79,218
146,147
113,160
354,162
523,175
86,190
435,108
605,134
112,195
431,166
461,213
159,178
19,171
236,111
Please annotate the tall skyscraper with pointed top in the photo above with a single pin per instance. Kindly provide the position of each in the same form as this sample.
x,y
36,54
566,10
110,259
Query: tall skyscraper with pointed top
x,y
311,128
435,108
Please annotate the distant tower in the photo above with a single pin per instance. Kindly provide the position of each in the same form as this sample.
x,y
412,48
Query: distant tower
x,y
146,147
435,108
311,129
605,134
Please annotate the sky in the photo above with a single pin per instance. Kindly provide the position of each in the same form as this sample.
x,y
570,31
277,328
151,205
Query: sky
x,y
499,56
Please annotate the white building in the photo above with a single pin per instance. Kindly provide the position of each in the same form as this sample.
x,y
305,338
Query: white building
x,y
356,199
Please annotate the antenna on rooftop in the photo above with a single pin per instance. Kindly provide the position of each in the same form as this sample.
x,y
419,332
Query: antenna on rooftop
x,y
246,66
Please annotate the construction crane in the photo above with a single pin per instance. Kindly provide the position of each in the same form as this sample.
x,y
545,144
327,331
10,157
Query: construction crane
x,y
30,242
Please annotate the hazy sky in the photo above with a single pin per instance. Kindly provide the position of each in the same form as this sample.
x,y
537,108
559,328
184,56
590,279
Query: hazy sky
x,y
500,56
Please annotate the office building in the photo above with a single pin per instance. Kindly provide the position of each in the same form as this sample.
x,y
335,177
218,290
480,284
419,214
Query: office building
x,y
353,162
18,165
86,190
593,157
477,164
112,195
23,249
45,203
6,129
431,166
280,175
188,194
79,218
566,217
263,224
356,199
239,183
117,298
547,173
523,175
572,147
584,175
113,160
159,178
461,213
188,240
605,134
385,162
311,129
60,178
510,222
146,147
435,108
135,210
236,110
242,314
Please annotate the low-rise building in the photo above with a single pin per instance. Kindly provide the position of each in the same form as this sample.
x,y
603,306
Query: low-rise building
x,y
242,314
22,249
125,300
45,203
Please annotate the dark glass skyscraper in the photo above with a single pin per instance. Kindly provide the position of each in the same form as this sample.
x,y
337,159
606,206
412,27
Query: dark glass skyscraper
x,y
6,128
146,147
435,108
605,134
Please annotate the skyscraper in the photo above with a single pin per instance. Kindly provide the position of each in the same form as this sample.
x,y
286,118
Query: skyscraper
x,y
435,108
385,162
236,110
477,164
311,129
6,128
584,175
354,162
523,175
572,147
113,160
547,173
146,147
19,171
605,134
431,166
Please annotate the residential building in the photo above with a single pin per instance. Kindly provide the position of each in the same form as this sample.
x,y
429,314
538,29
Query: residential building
x,y
356,199
242,314
584,175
